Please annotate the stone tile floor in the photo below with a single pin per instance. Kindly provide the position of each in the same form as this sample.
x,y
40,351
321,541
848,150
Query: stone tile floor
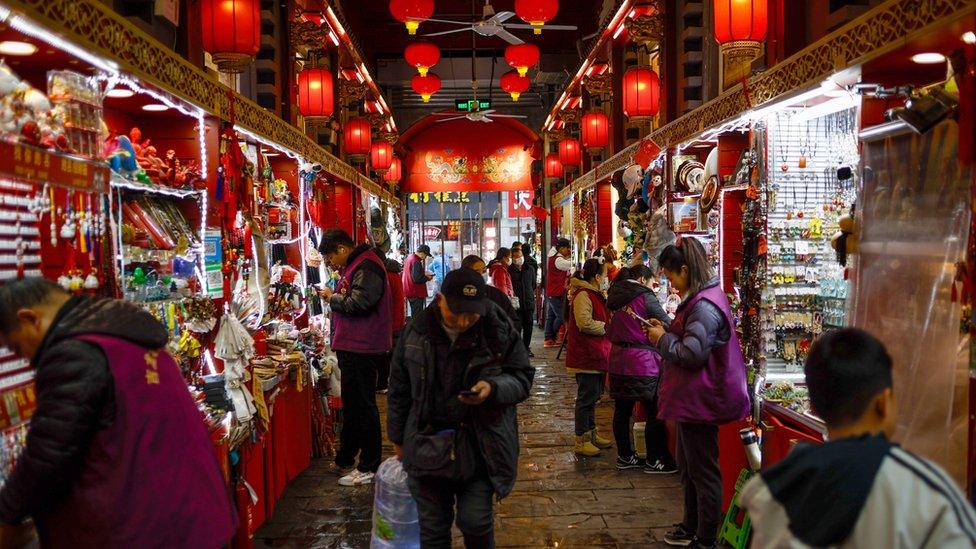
x,y
559,501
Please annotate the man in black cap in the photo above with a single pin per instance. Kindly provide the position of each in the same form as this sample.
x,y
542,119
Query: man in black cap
x,y
457,375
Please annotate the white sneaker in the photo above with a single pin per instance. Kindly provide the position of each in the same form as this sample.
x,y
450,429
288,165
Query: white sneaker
x,y
356,478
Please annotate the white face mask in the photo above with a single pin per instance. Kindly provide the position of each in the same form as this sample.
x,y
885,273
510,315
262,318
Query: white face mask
x,y
519,261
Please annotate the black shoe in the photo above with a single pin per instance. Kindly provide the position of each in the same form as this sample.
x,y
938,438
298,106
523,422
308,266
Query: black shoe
x,y
531,354
679,536
697,544
659,467
628,463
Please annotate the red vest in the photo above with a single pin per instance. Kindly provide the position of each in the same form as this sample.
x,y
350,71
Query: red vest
x,y
410,289
370,334
398,304
584,351
557,281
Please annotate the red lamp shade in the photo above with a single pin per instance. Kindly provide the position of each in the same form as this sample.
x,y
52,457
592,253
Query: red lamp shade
x,y
595,128
412,12
426,85
358,136
522,56
395,172
553,166
231,32
515,84
315,93
642,92
569,153
422,55
381,156
740,20
536,12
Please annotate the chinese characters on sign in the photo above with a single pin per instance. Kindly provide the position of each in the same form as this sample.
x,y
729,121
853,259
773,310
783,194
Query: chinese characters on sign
x,y
520,203
445,197
35,164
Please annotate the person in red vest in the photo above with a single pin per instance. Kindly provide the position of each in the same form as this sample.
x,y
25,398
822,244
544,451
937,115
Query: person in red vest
x,y
117,452
557,282
415,278
398,317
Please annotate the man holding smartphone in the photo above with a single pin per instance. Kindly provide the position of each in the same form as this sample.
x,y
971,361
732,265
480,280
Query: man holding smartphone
x,y
457,375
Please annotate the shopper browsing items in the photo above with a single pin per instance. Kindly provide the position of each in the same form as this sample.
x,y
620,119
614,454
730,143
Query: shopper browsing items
x,y
117,453
362,335
635,369
858,489
523,275
588,352
495,295
415,278
500,278
557,284
457,376
703,385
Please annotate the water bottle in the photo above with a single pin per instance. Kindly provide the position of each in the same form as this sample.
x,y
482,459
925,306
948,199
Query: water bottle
x,y
395,522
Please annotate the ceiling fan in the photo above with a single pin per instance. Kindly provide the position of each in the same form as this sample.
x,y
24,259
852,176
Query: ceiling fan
x,y
476,116
493,24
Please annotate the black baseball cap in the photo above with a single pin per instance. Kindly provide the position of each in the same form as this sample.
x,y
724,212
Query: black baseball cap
x,y
423,248
465,291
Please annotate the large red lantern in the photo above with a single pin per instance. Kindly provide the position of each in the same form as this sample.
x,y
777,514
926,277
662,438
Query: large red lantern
x,y
642,93
515,84
536,12
522,56
422,55
595,128
426,85
740,21
553,166
412,12
315,93
381,156
395,172
569,153
231,32
358,136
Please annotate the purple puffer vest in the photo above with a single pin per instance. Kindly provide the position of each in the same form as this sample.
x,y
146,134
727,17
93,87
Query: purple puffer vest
x,y
632,353
714,394
151,479
370,334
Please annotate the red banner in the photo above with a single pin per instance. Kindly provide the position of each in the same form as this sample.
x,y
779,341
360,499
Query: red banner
x,y
520,204
29,163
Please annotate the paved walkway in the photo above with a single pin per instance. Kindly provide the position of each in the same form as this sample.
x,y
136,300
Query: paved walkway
x,y
559,501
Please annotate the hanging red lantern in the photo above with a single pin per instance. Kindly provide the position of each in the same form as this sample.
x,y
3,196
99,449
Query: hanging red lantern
x,y
521,57
642,93
536,12
381,156
358,136
422,55
231,32
395,172
553,166
740,21
412,12
315,93
515,84
569,153
426,85
595,128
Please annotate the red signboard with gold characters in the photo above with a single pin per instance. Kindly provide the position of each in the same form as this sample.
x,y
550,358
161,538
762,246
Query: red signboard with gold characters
x,y
19,161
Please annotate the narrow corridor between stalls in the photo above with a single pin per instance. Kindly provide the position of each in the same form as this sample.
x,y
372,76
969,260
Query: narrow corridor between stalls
x,y
560,500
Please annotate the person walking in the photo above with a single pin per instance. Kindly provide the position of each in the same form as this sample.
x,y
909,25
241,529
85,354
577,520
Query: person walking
x,y
498,271
703,385
523,282
557,284
438,269
588,352
117,454
457,377
362,335
635,369
496,296
398,318
415,278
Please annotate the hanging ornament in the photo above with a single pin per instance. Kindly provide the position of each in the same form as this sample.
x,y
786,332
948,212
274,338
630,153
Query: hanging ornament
x,y
412,12
426,85
515,84
522,57
231,32
536,12
422,55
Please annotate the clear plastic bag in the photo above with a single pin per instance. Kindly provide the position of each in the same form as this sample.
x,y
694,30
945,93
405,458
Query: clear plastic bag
x,y
395,520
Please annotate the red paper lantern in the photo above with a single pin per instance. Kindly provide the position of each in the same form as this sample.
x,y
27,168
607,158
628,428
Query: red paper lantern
x,y
595,128
412,12
642,93
570,155
381,156
231,32
536,12
515,84
522,56
395,172
358,136
422,55
426,85
315,93
740,21
554,167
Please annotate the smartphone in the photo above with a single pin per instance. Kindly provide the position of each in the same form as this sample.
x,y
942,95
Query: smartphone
x,y
642,320
470,394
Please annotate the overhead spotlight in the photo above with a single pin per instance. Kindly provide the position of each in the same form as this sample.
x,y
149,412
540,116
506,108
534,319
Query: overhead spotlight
x,y
928,58
14,47
969,37
155,107
924,112
120,93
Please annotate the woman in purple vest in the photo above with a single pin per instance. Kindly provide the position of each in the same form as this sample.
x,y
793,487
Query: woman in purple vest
x,y
703,385
635,368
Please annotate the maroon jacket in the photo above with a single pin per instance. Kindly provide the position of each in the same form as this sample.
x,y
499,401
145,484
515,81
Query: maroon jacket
x,y
557,282
411,289
398,303
361,314
585,351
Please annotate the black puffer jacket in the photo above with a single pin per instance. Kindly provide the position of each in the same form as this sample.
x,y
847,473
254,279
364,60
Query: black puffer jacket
x,y
75,400
523,282
366,287
622,292
496,356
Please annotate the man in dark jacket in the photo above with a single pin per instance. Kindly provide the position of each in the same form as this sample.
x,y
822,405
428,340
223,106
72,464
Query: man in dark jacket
x,y
117,453
524,282
457,376
415,278
362,335
496,296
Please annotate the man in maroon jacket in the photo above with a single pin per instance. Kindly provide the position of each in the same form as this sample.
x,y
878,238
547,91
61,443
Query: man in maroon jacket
x,y
415,279
557,283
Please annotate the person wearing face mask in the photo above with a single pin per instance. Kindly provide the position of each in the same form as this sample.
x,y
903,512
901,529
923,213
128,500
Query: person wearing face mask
x,y
588,352
498,271
524,282
497,296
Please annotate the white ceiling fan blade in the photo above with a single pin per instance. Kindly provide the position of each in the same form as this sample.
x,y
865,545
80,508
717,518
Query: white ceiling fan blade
x,y
509,37
487,111
543,27
452,118
449,32
444,114
449,22
485,119
509,116
502,16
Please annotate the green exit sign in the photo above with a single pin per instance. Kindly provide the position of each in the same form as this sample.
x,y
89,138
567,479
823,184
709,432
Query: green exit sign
x,y
472,105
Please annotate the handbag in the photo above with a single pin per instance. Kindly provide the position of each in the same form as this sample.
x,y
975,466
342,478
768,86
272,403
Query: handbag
x,y
515,302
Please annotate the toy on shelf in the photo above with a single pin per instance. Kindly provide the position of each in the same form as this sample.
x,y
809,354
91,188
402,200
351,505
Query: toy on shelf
x,y
27,114
137,159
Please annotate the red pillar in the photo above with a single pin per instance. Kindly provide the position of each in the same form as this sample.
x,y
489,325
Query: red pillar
x,y
604,214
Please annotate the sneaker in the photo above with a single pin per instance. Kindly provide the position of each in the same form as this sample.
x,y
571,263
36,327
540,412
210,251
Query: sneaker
x,y
660,468
334,469
550,343
382,391
679,536
631,462
356,478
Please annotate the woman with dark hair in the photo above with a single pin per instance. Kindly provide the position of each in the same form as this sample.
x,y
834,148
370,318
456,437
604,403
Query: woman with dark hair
x,y
588,351
635,369
500,277
703,385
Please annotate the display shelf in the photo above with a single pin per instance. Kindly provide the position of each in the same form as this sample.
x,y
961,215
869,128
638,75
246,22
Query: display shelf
x,y
119,182
807,420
